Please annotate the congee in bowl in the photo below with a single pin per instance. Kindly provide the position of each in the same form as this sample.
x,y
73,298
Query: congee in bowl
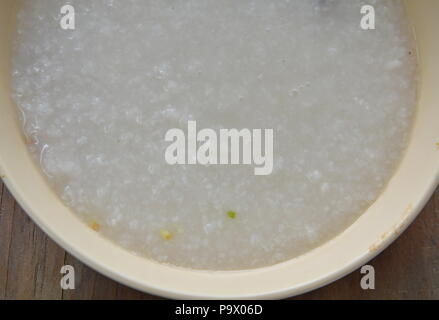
x,y
216,134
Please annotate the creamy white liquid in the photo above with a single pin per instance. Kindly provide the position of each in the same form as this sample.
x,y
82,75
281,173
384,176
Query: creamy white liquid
x,y
98,100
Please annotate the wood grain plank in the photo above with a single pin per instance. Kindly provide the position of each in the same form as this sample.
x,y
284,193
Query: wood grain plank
x,y
104,289
30,264
126,293
7,204
85,280
34,261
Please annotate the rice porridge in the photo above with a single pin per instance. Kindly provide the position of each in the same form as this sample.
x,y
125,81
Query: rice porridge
x,y
96,103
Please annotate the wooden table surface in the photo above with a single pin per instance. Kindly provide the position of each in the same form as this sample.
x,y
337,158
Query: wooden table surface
x,y
30,264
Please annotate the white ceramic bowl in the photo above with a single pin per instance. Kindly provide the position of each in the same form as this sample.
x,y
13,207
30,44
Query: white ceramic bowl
x,y
405,196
